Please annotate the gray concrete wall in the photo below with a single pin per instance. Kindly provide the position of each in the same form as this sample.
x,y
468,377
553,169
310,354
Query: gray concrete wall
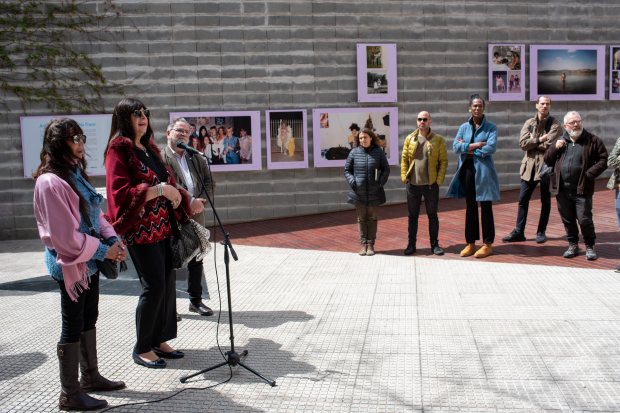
x,y
255,55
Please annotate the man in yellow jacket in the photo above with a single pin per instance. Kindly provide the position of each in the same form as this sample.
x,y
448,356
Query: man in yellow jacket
x,y
423,169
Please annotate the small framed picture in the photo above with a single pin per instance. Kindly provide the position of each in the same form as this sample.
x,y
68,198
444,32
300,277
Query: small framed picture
x,y
565,73
335,132
614,73
506,72
376,73
287,139
231,141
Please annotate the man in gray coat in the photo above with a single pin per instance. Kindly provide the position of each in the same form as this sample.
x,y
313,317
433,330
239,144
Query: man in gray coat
x,y
188,178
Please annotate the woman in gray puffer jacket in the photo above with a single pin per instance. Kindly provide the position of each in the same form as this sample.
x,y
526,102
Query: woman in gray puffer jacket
x,y
367,171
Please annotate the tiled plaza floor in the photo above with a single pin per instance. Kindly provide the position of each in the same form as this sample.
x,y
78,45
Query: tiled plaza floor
x,y
342,333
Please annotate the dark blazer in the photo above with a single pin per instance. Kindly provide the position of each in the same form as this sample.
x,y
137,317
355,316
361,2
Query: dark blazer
x,y
594,163
360,173
203,170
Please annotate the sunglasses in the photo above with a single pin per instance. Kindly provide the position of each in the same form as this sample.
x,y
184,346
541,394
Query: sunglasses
x,y
138,113
77,138
422,119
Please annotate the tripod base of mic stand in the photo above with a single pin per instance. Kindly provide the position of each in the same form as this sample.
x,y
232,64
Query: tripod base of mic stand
x,y
232,360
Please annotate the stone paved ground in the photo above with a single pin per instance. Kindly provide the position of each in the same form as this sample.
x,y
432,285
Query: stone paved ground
x,y
343,333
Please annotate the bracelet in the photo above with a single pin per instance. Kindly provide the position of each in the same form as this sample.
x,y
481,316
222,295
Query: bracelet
x,y
160,190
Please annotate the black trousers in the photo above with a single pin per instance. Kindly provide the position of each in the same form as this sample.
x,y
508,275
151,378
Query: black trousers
x,y
527,189
467,176
80,316
431,202
156,319
194,280
573,208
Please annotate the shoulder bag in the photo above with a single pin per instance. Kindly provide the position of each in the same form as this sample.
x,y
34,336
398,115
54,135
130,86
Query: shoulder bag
x,y
189,240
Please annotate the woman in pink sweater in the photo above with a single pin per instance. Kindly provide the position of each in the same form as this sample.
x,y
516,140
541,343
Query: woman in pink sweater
x,y
63,196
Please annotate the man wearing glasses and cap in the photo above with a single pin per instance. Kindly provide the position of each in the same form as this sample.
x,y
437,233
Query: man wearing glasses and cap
x,y
578,158
423,169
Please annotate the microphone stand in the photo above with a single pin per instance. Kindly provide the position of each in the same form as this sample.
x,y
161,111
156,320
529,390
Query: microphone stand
x,y
232,357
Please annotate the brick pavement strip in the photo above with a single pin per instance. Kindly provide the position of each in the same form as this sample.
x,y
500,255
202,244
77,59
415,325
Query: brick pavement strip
x,y
345,333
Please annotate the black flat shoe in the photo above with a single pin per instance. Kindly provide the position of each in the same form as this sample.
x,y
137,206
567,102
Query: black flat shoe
x,y
157,364
172,355
200,308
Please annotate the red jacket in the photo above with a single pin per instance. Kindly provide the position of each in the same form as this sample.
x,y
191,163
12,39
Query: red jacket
x,y
126,196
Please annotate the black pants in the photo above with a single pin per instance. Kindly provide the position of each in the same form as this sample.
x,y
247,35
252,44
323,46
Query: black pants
x,y
467,176
573,208
527,189
431,202
194,280
156,320
80,316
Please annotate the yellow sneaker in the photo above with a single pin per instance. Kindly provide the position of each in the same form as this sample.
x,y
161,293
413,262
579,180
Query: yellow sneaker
x,y
484,251
469,250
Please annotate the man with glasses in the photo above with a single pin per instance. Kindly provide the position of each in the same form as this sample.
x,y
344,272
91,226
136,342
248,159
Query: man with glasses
x,y
537,134
578,157
423,169
188,177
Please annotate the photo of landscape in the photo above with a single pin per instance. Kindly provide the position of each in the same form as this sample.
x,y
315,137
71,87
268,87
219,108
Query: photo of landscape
x,y
567,71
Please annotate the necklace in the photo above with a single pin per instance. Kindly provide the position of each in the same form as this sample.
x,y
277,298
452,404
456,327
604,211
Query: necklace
x,y
145,151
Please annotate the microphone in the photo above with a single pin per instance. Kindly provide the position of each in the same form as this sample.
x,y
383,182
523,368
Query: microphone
x,y
183,145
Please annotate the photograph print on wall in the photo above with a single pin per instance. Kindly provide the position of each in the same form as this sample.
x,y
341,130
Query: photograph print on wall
x,y
376,73
614,76
506,72
287,139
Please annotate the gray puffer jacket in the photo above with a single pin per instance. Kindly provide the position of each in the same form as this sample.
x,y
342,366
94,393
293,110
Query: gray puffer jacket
x,y
360,173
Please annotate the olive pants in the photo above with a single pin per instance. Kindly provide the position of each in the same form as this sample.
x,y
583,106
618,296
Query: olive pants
x,y
367,223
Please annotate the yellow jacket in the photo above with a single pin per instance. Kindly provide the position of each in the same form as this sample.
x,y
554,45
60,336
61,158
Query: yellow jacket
x,y
437,157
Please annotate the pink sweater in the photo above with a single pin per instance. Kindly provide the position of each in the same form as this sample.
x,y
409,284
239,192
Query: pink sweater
x,y
57,210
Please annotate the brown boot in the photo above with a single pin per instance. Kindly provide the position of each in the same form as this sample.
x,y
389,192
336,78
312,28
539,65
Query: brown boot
x,y
370,250
363,250
484,251
91,379
71,396
468,250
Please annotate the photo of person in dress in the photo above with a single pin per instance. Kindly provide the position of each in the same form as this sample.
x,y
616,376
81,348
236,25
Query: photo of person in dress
x,y
567,71
500,80
377,81
376,57
286,136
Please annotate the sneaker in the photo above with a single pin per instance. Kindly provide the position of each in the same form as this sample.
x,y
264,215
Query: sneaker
x,y
484,251
541,238
590,253
515,236
572,251
436,248
469,249
370,249
410,248
363,250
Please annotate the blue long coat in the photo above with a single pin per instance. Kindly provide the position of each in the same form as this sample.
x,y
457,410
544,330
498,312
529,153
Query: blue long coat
x,y
487,181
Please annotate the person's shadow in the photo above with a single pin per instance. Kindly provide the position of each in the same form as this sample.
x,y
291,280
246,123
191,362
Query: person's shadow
x,y
15,365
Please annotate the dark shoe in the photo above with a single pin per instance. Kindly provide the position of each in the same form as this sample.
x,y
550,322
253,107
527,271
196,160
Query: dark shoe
x,y
541,238
172,355
410,248
515,236
200,308
370,249
572,251
157,364
590,253
91,379
436,248
179,317
72,397
617,268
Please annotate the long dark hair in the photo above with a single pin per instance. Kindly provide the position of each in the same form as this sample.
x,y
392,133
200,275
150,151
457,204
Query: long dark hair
x,y
375,139
122,126
57,156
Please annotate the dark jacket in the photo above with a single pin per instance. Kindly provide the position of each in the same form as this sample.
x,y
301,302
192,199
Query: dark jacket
x,y
360,173
594,162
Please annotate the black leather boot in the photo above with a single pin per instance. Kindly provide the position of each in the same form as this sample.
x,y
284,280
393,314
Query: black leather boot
x,y
91,379
71,396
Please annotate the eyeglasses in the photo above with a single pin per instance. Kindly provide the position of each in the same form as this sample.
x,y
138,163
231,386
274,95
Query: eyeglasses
x,y
138,113
182,131
422,119
77,138
575,122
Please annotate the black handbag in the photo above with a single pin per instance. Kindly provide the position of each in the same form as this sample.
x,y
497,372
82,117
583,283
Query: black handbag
x,y
185,243
106,267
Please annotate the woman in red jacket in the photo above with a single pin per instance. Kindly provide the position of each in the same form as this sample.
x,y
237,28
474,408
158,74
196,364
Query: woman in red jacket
x,y
141,197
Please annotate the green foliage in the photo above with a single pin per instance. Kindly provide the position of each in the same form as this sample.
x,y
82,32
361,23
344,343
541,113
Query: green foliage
x,y
39,61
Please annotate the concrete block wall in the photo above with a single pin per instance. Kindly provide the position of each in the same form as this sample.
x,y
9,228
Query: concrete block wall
x,y
257,55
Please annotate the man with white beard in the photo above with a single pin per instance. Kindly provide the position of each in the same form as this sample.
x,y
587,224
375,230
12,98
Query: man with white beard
x,y
578,158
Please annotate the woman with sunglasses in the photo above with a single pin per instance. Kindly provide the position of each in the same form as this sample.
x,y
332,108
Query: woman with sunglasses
x,y
144,206
63,196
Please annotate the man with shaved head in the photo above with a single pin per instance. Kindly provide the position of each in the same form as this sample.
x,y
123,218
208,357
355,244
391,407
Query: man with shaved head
x,y
423,169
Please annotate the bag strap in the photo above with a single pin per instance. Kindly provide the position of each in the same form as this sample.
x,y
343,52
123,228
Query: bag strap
x,y
419,151
547,125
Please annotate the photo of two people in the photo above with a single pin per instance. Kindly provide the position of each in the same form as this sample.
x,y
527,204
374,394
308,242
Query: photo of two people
x,y
376,70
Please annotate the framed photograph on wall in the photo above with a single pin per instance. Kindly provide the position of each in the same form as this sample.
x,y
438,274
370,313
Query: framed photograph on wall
x,y
506,72
287,139
376,73
230,140
614,73
334,132
564,73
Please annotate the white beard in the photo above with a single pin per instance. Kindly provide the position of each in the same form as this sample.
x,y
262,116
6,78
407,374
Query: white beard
x,y
575,133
